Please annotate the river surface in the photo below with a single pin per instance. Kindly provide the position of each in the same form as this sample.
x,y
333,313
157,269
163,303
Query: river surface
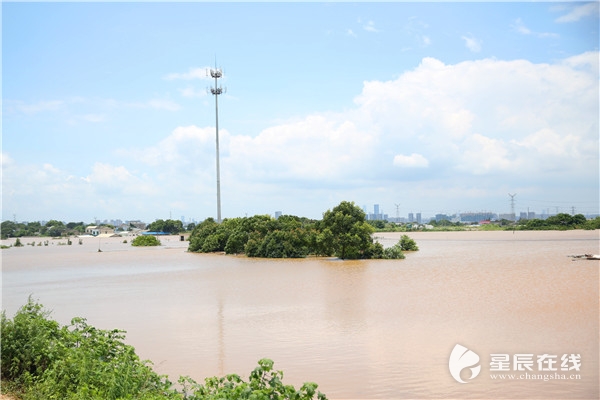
x,y
373,329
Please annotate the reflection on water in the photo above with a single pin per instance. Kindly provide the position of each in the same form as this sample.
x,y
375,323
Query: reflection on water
x,y
361,329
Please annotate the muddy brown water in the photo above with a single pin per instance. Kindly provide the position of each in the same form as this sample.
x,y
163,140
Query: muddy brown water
x,y
372,329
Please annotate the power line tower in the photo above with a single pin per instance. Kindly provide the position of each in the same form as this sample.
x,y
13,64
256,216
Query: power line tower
x,y
217,90
512,206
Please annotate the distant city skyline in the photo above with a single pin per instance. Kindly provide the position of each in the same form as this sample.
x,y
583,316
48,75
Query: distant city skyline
x,y
437,107
418,217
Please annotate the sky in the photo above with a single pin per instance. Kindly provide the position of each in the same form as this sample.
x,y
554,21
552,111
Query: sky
x,y
438,107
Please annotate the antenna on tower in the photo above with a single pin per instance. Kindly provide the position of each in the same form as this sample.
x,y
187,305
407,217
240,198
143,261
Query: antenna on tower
x,y
512,206
216,91
397,212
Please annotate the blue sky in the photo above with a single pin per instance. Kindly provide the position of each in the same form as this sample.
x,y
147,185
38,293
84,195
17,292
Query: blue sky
x,y
438,107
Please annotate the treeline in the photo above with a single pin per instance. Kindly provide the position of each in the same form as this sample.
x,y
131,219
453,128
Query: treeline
x,y
43,360
51,228
54,228
343,232
170,226
561,221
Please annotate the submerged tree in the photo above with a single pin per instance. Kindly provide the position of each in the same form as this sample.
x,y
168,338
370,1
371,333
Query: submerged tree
x,y
343,232
346,232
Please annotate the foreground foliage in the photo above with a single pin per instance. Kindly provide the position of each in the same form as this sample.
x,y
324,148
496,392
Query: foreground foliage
x,y
343,232
42,360
264,384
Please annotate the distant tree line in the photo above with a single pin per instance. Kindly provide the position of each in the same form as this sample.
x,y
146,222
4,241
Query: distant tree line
x,y
52,228
171,226
560,221
343,232
56,228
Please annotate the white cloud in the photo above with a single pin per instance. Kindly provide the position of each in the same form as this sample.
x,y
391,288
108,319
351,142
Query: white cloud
x,y
155,104
483,126
191,92
413,161
472,43
162,104
519,26
416,28
93,118
315,149
34,108
6,160
184,145
370,27
482,155
350,32
193,73
580,11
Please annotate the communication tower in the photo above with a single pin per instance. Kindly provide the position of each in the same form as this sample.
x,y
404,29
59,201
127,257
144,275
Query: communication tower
x,y
512,206
216,91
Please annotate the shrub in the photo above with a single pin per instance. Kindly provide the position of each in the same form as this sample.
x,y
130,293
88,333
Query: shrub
x,y
73,362
264,383
146,240
41,360
393,253
28,343
408,244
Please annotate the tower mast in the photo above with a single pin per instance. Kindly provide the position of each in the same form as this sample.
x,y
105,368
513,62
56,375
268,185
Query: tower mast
x,y
217,90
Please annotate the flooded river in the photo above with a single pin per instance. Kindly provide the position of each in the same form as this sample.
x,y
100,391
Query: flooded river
x,y
377,329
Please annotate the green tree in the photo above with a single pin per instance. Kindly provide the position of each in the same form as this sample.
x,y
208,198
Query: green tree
x,y
592,224
55,228
350,235
170,226
200,234
8,229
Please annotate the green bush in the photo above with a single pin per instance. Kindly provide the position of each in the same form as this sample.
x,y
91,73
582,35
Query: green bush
x,y
28,343
73,362
393,253
264,383
42,360
408,244
145,240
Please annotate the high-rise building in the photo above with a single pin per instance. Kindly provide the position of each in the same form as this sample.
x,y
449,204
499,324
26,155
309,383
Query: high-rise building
x,y
419,218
